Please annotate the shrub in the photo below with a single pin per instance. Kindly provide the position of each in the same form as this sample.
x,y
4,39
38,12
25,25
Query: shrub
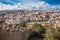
x,y
57,36
38,27
23,24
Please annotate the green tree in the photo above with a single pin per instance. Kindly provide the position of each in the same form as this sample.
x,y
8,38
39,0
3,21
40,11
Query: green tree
x,y
23,24
38,27
1,22
49,34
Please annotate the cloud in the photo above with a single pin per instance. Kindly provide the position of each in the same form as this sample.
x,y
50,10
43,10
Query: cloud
x,y
29,6
7,7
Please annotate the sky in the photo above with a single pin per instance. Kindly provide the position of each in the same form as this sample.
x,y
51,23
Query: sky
x,y
30,4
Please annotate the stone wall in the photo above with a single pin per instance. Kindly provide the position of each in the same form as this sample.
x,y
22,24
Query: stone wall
x,y
13,33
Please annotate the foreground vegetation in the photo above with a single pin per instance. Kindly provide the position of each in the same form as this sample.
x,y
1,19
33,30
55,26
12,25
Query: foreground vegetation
x,y
43,32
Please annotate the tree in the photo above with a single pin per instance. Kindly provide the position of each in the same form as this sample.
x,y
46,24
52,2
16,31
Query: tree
x,y
49,34
1,22
38,27
23,24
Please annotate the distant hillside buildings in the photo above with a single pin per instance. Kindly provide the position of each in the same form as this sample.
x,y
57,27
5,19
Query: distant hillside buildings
x,y
16,17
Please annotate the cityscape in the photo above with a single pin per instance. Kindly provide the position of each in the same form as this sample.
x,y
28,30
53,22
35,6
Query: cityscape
x,y
29,20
